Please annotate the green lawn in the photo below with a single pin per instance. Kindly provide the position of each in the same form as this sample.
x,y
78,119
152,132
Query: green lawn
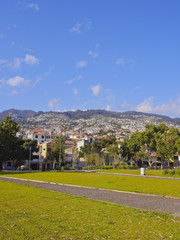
x,y
149,172
115,182
28,213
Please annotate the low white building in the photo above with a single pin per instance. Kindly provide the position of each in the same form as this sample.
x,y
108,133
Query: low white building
x,y
39,135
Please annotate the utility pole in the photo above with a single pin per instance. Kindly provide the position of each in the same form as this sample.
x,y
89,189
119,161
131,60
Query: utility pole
x,y
60,147
88,154
29,157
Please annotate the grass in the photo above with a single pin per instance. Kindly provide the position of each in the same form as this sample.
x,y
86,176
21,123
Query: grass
x,y
123,183
28,213
149,172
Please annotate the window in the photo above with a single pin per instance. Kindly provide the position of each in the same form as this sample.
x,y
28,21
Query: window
x,y
36,136
9,164
42,136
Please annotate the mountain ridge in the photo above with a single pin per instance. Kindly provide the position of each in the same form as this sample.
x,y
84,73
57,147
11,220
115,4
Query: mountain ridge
x,y
18,114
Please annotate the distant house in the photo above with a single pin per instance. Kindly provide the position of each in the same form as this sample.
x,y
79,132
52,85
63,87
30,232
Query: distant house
x,y
69,151
78,136
45,148
39,135
8,165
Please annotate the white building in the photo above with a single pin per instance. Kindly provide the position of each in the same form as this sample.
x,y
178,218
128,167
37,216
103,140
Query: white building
x,y
39,135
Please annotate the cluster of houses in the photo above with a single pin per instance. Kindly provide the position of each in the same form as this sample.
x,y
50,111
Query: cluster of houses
x,y
45,142
73,143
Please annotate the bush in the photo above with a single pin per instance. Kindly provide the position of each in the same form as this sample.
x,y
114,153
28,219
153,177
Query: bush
x,y
122,167
172,172
127,167
107,167
165,172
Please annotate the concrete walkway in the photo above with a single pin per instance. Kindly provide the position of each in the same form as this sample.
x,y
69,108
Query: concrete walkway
x,y
142,176
135,200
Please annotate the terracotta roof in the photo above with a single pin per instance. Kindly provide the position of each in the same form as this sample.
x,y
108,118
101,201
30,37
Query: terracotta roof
x,y
80,134
70,142
72,147
74,139
99,137
37,130
36,133
177,154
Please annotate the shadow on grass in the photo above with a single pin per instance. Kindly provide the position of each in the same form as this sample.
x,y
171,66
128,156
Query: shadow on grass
x,y
14,172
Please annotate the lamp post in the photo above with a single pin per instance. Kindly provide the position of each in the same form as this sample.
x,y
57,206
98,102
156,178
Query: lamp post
x,y
101,157
29,157
60,148
88,154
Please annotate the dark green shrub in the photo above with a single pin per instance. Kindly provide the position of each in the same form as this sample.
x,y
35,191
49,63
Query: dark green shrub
x,y
107,167
165,172
172,172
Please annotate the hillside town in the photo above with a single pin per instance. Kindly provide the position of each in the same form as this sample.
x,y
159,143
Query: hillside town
x,y
90,146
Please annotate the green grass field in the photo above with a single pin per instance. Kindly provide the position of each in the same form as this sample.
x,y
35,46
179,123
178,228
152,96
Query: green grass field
x,y
149,172
28,213
123,183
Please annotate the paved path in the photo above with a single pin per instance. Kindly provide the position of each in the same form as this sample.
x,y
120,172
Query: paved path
x,y
135,200
141,176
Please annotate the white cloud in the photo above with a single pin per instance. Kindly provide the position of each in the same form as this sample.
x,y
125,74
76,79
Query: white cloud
x,y
146,105
37,81
70,81
16,63
35,6
76,28
125,106
108,108
2,80
73,79
14,92
93,54
2,35
48,71
171,107
17,81
54,104
3,61
31,60
81,64
96,89
75,91
79,28
121,62
97,45
110,98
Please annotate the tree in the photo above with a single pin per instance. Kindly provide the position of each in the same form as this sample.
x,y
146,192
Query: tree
x,y
142,155
58,152
167,145
8,139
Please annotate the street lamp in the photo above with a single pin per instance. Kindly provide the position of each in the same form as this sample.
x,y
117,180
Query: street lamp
x,y
101,157
29,157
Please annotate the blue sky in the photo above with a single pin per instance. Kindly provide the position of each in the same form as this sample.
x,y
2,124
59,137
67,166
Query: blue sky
x,y
117,55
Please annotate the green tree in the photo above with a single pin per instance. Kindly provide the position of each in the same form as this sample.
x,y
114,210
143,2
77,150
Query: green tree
x,y
58,151
167,145
8,139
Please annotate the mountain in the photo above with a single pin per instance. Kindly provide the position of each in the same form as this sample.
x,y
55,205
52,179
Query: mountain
x,y
81,114
89,119
17,114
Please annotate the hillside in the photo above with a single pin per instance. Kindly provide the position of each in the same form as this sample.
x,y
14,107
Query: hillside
x,y
90,120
